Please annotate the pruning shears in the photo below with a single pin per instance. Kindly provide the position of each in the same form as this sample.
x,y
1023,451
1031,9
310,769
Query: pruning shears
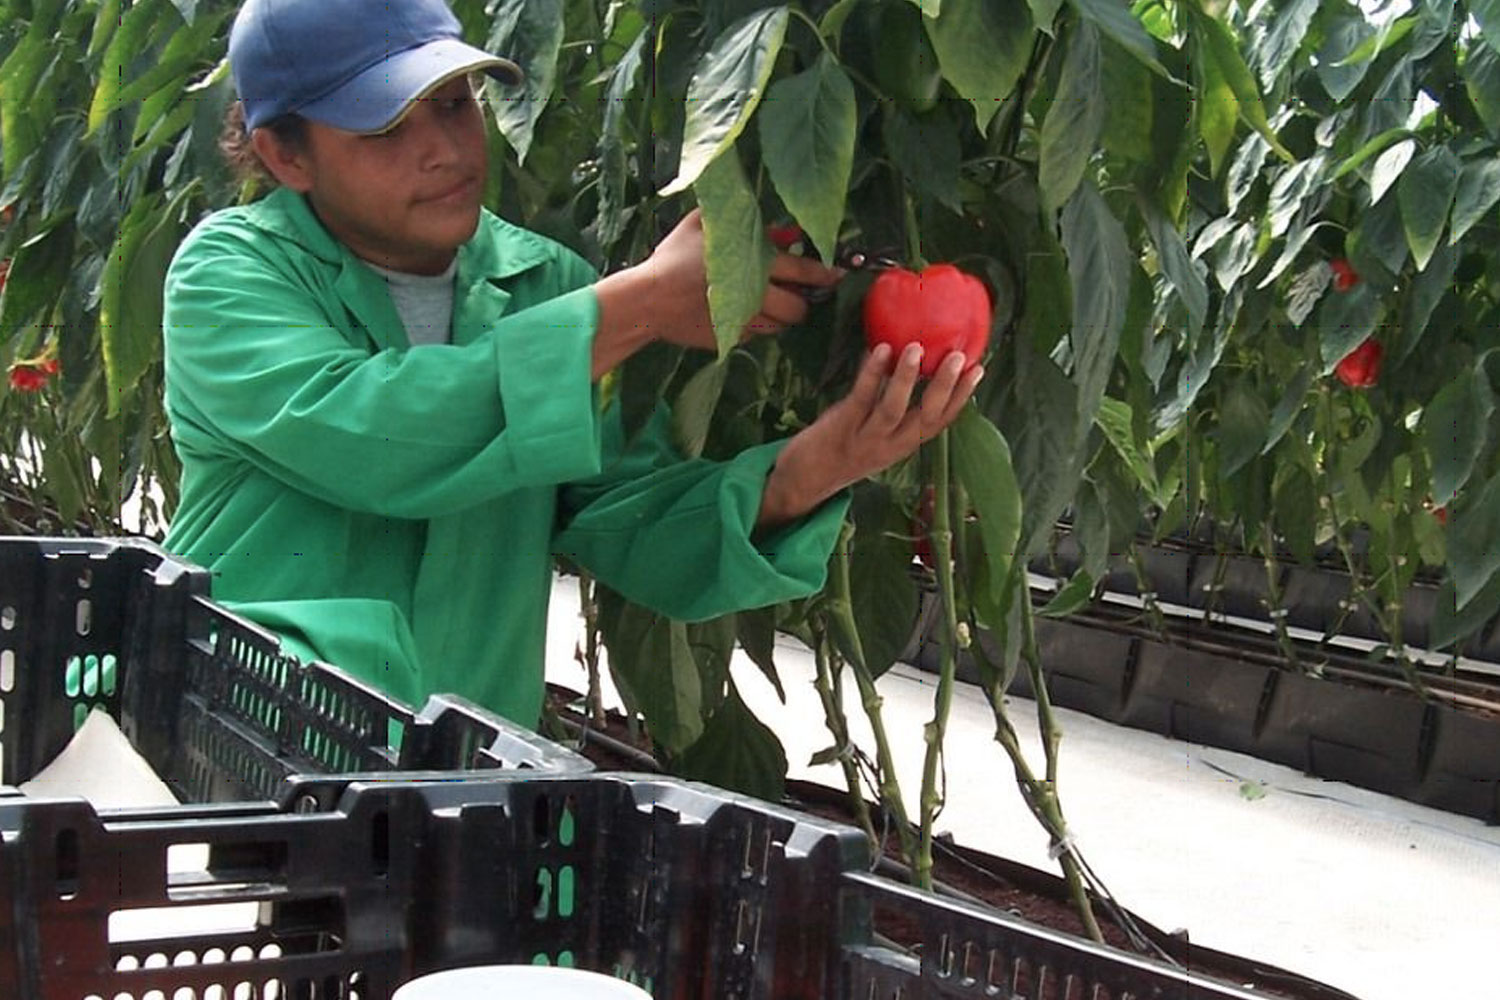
x,y
846,256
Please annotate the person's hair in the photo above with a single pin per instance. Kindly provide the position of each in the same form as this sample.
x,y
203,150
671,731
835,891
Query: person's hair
x,y
234,142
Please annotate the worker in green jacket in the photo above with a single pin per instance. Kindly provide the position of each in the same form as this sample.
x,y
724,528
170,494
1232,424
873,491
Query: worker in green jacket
x,y
383,396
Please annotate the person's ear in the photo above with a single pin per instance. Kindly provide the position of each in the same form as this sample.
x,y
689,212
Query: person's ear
x,y
290,165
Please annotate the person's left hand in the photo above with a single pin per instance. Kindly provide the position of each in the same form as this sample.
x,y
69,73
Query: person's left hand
x,y
873,427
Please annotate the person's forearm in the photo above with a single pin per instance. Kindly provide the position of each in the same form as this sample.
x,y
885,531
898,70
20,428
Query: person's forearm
x,y
790,493
624,324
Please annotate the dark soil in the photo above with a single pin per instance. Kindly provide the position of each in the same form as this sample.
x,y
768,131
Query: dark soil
x,y
1019,890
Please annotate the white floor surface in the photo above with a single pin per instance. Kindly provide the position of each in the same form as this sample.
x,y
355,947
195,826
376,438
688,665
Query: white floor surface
x,y
1374,895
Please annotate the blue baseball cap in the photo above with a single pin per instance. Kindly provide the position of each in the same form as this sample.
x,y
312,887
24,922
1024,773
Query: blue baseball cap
x,y
358,65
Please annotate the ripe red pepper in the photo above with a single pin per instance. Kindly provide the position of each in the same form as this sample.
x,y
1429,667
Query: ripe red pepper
x,y
1360,368
784,237
1344,275
942,308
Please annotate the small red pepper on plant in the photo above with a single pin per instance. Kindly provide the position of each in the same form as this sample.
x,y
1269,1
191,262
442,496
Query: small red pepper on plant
x,y
1344,275
32,376
1360,368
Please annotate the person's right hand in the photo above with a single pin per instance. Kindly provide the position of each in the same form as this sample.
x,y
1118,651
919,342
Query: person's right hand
x,y
665,297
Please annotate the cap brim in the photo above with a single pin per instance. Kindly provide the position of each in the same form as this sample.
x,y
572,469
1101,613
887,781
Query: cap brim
x,y
377,99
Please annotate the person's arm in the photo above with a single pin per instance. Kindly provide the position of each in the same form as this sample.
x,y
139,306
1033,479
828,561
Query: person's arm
x,y
873,427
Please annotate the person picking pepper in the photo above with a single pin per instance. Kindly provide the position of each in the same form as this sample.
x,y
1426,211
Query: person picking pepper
x,y
385,400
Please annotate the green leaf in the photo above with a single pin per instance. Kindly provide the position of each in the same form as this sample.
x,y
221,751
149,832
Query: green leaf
x,y
1100,263
1244,425
981,462
1487,13
1387,35
725,90
1130,97
1450,625
530,34
1075,118
693,409
882,594
1044,13
38,274
1427,292
1482,79
1215,108
756,631
1281,41
983,47
1070,598
1426,191
1177,264
20,134
1389,167
1478,191
1117,421
1344,31
807,145
926,152
106,20
1474,542
614,165
736,252
1455,426
1117,22
1288,407
130,304
1045,435
124,48
1294,512
1345,321
652,665
1373,147
738,752
1220,45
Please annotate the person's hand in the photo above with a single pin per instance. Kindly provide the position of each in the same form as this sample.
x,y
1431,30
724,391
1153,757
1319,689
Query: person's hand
x,y
665,297
873,427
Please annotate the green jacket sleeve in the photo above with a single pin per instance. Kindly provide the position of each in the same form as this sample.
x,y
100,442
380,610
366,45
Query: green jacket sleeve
x,y
675,534
276,372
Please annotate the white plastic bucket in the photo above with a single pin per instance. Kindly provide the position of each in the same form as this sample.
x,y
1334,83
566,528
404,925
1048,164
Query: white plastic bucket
x,y
533,982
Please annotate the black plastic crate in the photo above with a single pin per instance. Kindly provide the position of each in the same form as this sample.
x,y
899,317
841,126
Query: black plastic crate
x,y
970,951
356,887
353,887
207,698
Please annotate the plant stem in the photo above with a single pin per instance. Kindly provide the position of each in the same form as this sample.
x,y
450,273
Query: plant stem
x,y
942,552
828,662
841,607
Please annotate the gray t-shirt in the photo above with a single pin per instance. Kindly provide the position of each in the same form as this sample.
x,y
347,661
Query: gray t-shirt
x,y
425,303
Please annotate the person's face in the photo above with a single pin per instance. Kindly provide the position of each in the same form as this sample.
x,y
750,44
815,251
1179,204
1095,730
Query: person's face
x,y
405,199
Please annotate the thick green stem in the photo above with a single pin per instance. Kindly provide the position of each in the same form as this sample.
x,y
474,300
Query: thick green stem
x,y
942,553
842,608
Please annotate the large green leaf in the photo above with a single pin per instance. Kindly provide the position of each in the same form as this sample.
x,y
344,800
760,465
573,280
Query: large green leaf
x,y
1220,45
1117,21
1129,94
756,634
1244,424
1074,119
983,47
736,252
1389,167
1455,427
20,133
725,90
1275,49
1117,421
1215,110
1178,265
1427,292
1478,191
530,34
1288,407
1044,435
882,593
981,462
1346,320
1482,80
693,409
1474,542
130,305
926,151
614,168
807,145
1450,625
652,663
1426,191
738,752
38,273
1487,13
1100,263
125,47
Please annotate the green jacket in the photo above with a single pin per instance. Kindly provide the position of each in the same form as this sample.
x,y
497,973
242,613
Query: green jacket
x,y
393,510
